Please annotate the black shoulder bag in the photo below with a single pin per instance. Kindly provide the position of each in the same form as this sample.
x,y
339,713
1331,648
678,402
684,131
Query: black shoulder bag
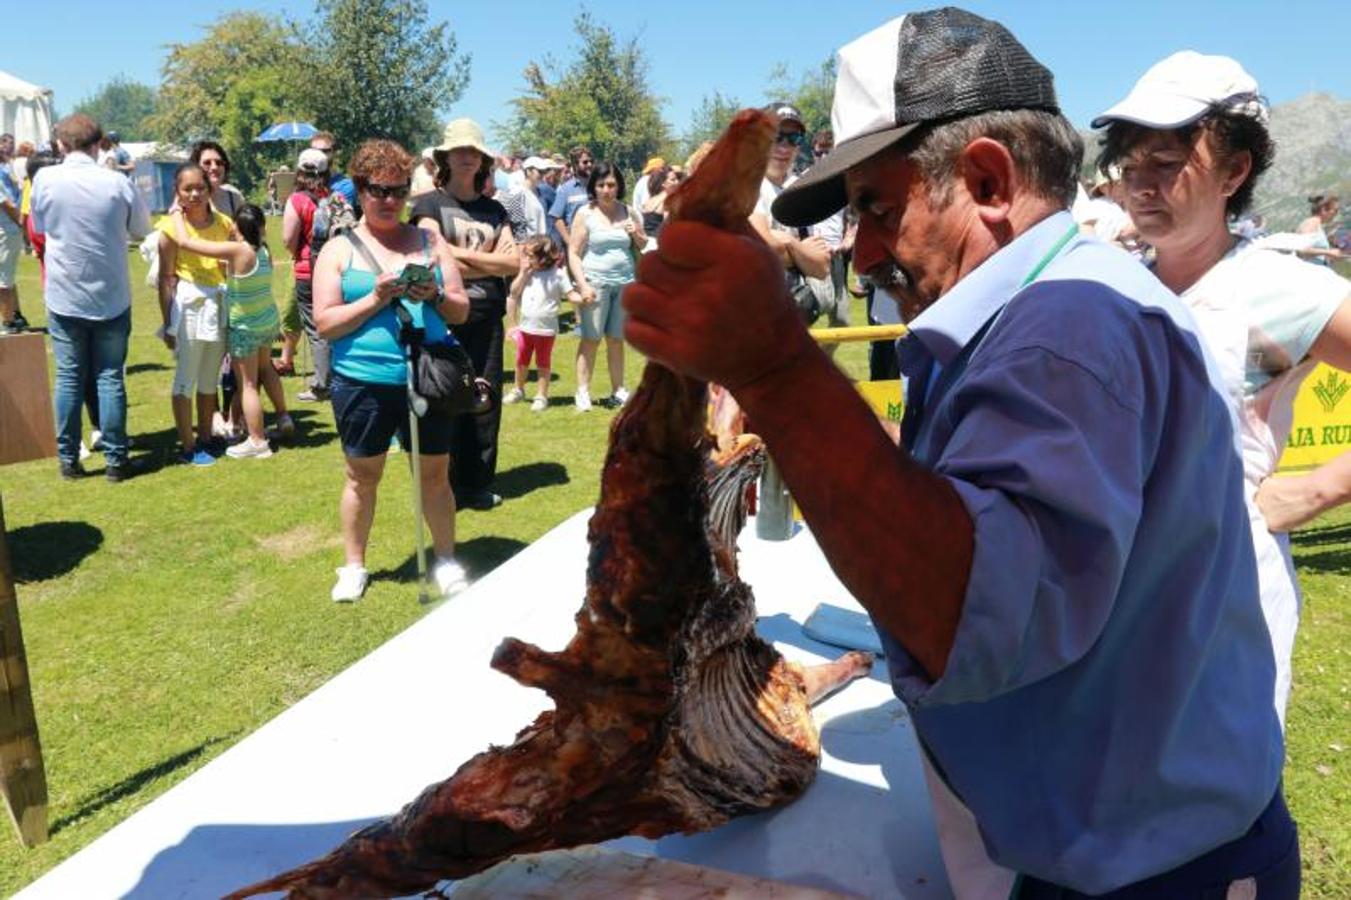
x,y
804,298
443,373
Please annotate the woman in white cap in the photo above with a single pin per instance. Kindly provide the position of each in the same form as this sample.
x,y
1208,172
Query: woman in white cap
x,y
478,230
1192,139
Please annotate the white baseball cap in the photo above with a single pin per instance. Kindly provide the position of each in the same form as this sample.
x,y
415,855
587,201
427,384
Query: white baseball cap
x,y
542,163
1182,88
312,160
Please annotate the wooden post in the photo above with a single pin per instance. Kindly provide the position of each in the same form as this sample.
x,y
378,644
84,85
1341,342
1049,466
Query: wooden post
x,y
27,424
23,779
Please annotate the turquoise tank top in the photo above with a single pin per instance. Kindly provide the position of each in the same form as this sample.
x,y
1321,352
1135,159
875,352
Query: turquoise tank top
x,y
372,353
609,252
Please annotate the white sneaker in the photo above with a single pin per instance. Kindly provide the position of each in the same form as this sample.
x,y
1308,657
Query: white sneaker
x,y
247,449
84,452
582,399
449,577
95,440
515,395
539,404
351,584
620,395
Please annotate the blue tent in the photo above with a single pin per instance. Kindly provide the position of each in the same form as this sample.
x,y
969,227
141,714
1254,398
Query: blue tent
x,y
288,131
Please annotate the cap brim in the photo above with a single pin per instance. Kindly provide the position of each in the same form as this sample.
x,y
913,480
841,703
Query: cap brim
x,y
1154,112
819,192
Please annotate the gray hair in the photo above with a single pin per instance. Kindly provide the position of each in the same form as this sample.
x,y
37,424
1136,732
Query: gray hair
x,y
1045,148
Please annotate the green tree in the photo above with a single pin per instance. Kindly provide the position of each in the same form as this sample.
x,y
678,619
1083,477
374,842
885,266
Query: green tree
x,y
710,120
378,68
238,79
601,101
121,105
812,92
257,100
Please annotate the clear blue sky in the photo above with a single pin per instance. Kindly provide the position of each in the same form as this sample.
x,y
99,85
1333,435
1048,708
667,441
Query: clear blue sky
x,y
695,47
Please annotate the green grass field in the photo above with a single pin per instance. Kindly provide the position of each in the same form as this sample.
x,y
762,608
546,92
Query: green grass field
x,y
168,617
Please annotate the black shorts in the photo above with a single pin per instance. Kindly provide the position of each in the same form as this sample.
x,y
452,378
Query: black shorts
x,y
369,415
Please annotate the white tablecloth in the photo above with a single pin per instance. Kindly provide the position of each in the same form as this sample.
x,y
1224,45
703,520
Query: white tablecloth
x,y
408,714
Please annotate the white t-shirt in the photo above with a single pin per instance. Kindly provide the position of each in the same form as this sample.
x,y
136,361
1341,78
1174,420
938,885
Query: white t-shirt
x,y
1260,311
540,299
769,192
640,192
830,229
1107,217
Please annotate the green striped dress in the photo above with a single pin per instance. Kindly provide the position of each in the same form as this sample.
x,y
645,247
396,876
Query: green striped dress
x,y
253,315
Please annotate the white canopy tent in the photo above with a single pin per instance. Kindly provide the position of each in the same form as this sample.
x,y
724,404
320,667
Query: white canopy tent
x,y
25,110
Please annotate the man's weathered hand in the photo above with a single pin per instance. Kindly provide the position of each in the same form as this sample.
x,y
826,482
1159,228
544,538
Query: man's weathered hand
x,y
714,305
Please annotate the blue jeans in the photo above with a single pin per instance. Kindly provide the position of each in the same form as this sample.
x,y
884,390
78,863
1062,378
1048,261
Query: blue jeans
x,y
84,349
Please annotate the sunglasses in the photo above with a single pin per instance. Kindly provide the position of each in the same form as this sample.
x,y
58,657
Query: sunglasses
x,y
386,191
796,138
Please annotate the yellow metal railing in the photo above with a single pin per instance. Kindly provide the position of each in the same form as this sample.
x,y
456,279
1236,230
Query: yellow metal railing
x,y
858,333
1321,432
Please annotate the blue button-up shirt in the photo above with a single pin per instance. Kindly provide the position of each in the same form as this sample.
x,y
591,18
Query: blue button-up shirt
x,y
1106,707
89,214
570,197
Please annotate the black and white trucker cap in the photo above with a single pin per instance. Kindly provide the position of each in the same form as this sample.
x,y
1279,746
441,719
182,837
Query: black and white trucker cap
x,y
922,67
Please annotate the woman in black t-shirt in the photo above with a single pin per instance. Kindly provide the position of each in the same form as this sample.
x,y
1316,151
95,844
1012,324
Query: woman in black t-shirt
x,y
479,234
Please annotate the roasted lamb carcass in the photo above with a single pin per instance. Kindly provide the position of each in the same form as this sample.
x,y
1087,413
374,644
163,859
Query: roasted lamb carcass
x,y
671,714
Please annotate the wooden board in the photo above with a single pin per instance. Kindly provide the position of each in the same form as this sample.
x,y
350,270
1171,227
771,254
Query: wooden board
x,y
27,425
23,779
594,873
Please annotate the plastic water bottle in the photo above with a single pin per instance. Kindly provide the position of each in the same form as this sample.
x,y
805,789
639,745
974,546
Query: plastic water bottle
x,y
774,512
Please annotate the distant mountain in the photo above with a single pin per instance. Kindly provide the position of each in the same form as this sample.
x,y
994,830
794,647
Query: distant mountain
x,y
1313,156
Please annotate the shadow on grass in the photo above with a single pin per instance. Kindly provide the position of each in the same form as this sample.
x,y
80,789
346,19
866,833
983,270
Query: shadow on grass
x,y
138,368
1318,537
479,556
1325,551
132,784
156,449
522,480
51,549
312,429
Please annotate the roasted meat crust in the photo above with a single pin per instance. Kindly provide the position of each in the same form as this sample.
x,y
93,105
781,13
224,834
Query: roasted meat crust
x,y
671,715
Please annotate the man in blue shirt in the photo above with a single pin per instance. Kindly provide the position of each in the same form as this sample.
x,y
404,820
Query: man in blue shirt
x,y
1067,593
326,144
571,195
89,214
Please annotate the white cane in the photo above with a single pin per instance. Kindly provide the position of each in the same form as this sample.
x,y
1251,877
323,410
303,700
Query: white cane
x,y
417,408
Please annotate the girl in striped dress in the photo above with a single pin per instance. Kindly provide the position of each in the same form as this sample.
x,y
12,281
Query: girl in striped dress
x,y
253,325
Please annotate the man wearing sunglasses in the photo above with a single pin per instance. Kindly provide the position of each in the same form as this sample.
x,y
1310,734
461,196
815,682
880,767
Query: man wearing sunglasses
x,y
801,253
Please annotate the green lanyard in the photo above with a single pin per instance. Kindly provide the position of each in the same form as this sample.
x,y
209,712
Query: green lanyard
x,y
1050,255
